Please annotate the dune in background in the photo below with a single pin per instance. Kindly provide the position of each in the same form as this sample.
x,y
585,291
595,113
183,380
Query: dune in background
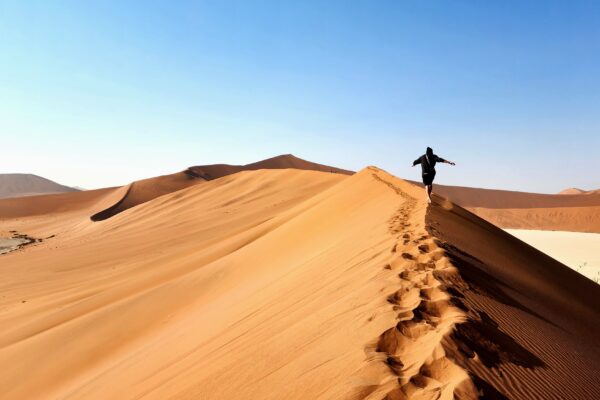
x,y
284,161
569,211
102,204
145,190
288,283
578,191
573,210
19,185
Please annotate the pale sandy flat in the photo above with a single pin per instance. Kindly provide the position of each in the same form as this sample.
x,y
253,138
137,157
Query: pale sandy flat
x,y
578,250
9,244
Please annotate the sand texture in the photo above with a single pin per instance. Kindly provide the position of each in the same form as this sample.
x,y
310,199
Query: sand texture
x,y
285,284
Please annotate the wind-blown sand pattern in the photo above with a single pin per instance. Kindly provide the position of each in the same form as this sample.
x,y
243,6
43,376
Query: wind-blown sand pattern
x,y
287,283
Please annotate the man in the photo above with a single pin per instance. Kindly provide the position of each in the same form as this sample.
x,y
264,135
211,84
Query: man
x,y
428,161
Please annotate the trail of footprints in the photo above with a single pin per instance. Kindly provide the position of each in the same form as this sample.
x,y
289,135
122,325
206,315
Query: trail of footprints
x,y
425,313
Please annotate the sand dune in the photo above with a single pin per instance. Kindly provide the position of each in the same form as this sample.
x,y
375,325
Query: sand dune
x,y
573,219
17,185
572,191
145,190
293,284
284,161
577,212
142,191
104,203
492,198
578,191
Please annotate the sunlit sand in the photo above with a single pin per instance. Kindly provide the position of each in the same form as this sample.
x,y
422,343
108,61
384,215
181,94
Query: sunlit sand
x,y
284,283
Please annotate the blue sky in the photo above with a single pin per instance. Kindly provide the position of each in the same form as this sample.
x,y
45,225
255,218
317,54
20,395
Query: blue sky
x,y
101,93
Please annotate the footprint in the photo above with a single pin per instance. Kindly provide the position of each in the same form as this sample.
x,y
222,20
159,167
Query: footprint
x,y
424,248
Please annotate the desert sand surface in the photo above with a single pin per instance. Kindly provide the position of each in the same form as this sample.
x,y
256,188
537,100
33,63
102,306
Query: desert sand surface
x,y
287,283
580,251
18,185
571,210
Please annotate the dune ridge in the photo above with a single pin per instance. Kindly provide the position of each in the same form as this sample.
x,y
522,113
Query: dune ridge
x,y
284,161
413,347
145,190
139,192
296,284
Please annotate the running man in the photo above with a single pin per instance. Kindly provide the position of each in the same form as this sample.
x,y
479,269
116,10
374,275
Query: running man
x,y
428,161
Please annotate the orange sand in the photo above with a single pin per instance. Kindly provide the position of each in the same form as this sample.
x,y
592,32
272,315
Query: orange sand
x,y
287,283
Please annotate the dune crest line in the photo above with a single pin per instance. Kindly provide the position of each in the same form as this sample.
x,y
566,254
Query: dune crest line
x,y
413,348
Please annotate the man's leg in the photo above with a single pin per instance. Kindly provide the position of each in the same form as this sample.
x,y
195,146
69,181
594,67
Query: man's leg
x,y
429,189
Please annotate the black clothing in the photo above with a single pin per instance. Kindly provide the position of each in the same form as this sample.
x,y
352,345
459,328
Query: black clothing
x,y
428,167
428,178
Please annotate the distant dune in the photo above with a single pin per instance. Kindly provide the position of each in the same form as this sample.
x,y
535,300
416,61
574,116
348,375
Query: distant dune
x,y
145,190
579,191
102,204
520,210
142,191
17,185
288,283
572,191
214,171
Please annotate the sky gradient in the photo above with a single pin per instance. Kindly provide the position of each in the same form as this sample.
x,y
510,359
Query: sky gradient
x,y
101,93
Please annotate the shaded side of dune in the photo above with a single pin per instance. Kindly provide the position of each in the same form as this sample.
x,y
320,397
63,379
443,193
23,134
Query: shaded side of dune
x,y
140,192
531,323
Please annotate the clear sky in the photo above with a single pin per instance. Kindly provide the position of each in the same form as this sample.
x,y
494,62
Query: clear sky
x,y
99,93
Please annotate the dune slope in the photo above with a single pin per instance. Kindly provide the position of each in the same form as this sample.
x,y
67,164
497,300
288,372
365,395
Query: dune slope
x,y
532,323
145,190
16,185
284,161
291,284
568,211
111,201
139,192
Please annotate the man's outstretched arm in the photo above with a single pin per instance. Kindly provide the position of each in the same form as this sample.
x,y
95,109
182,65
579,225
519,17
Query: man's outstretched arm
x,y
440,159
417,161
